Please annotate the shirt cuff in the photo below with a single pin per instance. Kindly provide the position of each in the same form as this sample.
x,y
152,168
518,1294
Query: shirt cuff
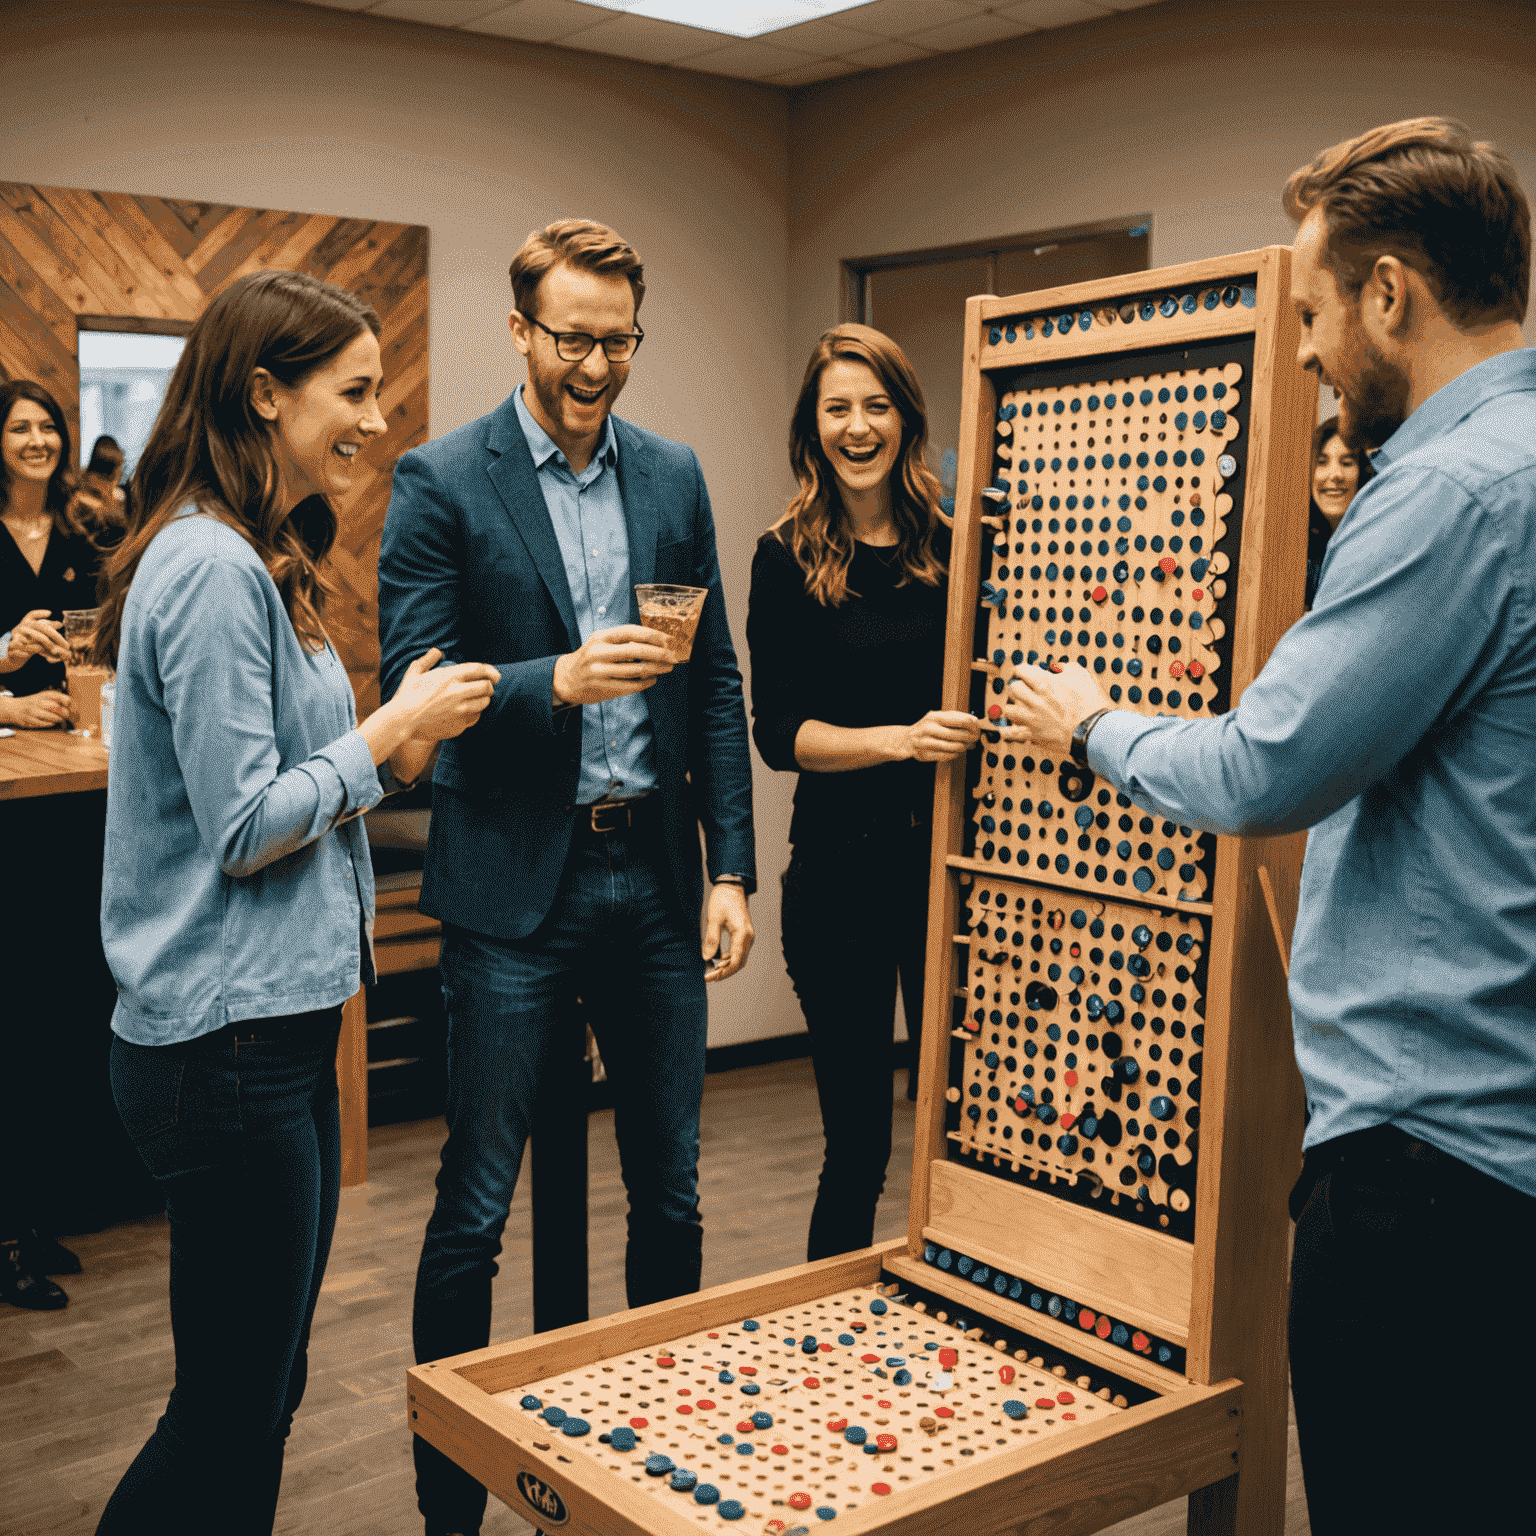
x,y
360,778
1111,740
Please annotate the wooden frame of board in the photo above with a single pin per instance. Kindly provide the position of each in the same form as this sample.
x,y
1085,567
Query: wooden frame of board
x,y
1214,1425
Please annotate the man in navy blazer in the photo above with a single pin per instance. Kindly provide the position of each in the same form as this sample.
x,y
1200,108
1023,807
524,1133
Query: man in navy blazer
x,y
564,850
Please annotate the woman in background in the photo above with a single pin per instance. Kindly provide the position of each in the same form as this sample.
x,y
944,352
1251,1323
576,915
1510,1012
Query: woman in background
x,y
238,899
846,631
47,563
1338,473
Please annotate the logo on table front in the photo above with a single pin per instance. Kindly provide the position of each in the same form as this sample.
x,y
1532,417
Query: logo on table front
x,y
539,1496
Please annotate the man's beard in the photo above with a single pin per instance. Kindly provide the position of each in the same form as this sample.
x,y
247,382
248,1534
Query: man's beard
x,y
1374,403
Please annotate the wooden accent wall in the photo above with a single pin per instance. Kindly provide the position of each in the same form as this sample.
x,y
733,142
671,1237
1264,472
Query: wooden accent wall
x,y
70,258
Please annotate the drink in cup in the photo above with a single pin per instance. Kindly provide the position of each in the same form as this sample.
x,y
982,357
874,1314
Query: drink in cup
x,y
674,611
83,681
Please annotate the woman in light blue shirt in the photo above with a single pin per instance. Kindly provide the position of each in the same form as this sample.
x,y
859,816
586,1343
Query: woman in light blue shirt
x,y
237,902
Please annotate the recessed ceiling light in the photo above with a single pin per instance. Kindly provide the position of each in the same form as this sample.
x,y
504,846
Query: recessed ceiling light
x,y
735,18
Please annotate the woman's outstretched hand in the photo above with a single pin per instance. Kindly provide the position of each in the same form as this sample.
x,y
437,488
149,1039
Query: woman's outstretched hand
x,y
942,734
443,702
1045,707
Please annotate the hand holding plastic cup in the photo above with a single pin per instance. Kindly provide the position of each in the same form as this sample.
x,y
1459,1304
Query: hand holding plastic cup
x,y
82,680
674,611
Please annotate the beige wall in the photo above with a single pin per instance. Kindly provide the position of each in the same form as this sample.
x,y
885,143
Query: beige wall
x,y
289,107
1194,111
742,199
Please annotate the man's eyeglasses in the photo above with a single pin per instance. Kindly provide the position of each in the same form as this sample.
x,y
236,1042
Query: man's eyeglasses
x,y
572,346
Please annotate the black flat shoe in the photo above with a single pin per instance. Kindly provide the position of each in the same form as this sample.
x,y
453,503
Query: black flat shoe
x,y
23,1289
48,1256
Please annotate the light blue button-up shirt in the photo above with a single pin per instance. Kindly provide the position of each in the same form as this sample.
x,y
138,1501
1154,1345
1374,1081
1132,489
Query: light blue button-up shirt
x,y
618,759
1397,720
236,882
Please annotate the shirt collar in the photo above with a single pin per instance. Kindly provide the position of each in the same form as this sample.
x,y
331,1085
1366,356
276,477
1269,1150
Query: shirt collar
x,y
1452,403
544,448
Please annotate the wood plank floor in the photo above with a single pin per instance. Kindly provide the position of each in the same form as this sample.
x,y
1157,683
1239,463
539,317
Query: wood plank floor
x,y
80,1390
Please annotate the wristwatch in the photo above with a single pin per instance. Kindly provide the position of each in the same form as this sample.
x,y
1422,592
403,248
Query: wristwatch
x,y
1080,735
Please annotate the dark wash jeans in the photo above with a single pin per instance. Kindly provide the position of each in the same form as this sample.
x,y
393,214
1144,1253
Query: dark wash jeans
x,y
1412,1351
616,937
855,916
243,1136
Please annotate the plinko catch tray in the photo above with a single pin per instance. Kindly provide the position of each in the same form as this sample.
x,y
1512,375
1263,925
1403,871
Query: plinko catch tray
x,y
1086,1317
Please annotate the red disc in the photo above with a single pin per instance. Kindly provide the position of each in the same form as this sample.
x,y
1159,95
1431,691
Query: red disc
x,y
781,1450
1086,1319
1069,1119
638,1423
1196,669
1168,565
685,1407
1045,1402
745,1427
685,1391
666,1364
1069,1415
837,1426
826,1349
705,1404
1005,1374
879,1487
1099,594
995,712
882,1404
870,1359
945,1413
947,1358
1176,669
1194,498
749,1370
1198,595
1140,1343
1105,1327
812,1382
886,1442
799,1501
1065,1397
714,1335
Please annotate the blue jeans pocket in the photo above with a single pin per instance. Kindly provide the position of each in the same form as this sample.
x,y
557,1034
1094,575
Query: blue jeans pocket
x,y
146,1085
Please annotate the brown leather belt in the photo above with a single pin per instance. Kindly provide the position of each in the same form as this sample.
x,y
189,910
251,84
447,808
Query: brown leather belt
x,y
608,818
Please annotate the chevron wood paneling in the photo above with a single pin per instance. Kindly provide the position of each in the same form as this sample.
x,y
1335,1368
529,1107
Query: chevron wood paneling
x,y
67,254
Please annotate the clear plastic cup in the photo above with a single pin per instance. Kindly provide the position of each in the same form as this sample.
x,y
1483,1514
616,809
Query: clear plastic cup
x,y
83,680
674,611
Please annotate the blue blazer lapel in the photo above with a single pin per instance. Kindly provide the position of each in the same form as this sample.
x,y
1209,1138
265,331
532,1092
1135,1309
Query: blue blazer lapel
x,y
512,473
639,510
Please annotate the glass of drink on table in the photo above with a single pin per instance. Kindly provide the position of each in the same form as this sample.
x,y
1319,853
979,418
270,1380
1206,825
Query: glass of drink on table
x,y
674,611
83,681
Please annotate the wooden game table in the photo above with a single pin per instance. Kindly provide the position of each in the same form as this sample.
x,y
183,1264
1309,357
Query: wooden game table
x,y
34,763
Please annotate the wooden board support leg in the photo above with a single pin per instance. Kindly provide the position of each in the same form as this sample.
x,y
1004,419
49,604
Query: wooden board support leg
x,y
559,1194
352,1085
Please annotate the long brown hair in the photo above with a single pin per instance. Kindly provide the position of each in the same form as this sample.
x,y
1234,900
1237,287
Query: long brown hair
x,y
814,528
210,447
1323,434
61,481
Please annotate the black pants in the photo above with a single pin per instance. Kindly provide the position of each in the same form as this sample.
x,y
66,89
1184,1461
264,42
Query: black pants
x,y
855,916
1411,1342
241,1131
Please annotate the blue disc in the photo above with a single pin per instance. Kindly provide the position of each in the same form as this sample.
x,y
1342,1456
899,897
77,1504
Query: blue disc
x,y
574,1427
826,1512
847,1338
532,1402
1014,1408
878,1307
553,1414
657,1465
750,1326
684,1481
623,1438
706,1493
725,1377
745,1448
751,1388
731,1509
761,1420
855,1434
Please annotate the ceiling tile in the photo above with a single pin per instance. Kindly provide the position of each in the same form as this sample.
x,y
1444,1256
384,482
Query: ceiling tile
x,y
639,37
750,59
540,21
896,18
434,13
884,54
809,74
1053,13
968,32
825,39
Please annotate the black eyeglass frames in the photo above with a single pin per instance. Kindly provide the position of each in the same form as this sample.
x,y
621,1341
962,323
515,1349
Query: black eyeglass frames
x,y
572,346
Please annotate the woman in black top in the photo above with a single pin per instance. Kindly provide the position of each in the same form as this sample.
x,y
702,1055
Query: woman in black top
x,y
1339,474
846,632
46,563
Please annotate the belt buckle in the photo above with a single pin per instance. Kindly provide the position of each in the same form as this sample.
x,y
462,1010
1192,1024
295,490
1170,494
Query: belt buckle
x,y
600,823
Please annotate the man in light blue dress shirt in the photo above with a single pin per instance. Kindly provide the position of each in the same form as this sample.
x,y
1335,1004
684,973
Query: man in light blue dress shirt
x,y
563,858
1397,720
